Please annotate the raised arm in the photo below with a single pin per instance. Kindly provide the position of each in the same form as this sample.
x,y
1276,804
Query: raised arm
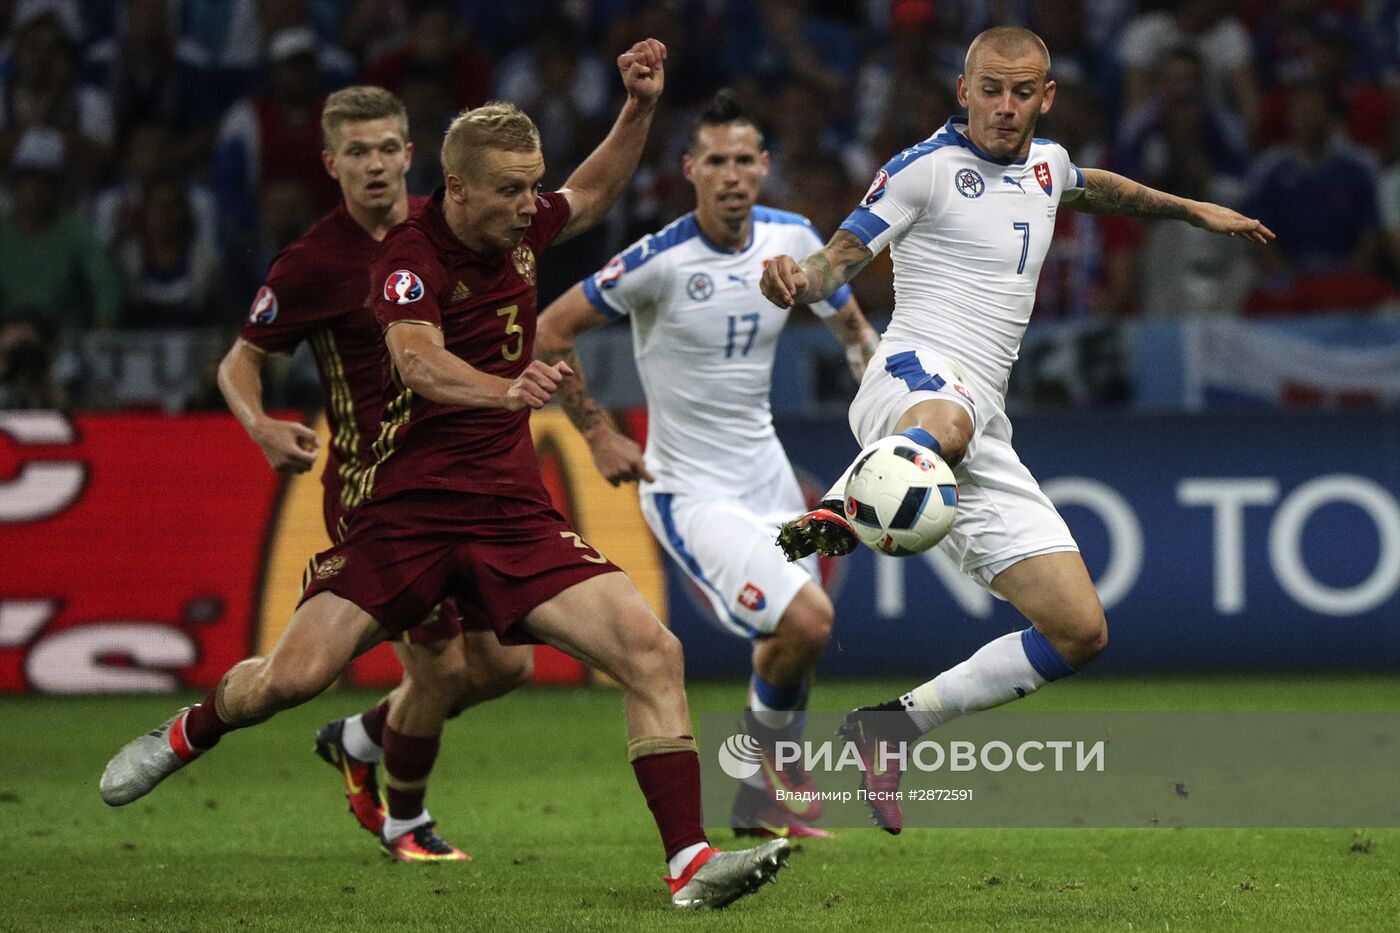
x,y
426,366
596,185
852,329
617,457
787,282
290,447
1107,193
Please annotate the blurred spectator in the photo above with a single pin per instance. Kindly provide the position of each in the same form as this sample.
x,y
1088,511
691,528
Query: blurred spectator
x,y
430,109
275,136
798,134
787,40
1332,55
1388,202
152,75
1075,57
42,89
1182,141
171,275
116,209
1210,28
53,267
563,86
28,347
439,44
904,91
371,28
1318,194
1092,266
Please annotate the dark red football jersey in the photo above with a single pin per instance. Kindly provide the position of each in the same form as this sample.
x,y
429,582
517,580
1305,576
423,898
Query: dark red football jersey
x,y
317,290
485,307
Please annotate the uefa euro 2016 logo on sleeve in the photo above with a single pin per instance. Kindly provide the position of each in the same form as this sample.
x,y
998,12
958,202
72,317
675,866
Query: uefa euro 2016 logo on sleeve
x,y
969,183
403,287
264,310
877,188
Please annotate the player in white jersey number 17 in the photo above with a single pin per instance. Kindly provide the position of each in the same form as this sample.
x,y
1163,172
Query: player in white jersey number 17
x,y
965,214
715,482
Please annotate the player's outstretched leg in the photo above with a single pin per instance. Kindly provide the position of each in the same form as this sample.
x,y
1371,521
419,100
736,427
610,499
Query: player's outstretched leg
x,y
825,530
322,637
1068,630
782,800
604,622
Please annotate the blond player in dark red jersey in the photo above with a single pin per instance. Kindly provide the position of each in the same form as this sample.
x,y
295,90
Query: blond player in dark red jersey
x,y
454,503
317,291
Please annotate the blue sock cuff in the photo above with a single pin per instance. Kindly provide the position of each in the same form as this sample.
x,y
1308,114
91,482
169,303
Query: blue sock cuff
x,y
920,436
779,698
1043,656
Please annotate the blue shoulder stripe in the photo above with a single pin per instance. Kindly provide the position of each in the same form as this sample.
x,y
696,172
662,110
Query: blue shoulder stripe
x,y
678,231
946,137
771,215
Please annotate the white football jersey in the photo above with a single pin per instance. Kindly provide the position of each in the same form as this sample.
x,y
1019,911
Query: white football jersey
x,y
705,339
967,233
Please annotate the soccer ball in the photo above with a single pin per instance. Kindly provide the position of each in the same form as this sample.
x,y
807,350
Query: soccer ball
x,y
901,497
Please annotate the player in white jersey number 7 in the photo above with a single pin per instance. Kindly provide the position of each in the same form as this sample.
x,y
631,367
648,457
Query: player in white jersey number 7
x,y
968,215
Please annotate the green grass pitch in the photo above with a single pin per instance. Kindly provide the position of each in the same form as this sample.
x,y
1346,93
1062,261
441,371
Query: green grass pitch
x,y
537,788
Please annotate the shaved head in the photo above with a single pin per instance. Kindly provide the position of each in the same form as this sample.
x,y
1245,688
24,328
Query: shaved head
x,y
1009,42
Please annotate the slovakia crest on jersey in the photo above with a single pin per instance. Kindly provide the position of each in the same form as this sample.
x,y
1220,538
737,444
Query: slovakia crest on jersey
x,y
969,183
877,188
1042,175
403,287
264,310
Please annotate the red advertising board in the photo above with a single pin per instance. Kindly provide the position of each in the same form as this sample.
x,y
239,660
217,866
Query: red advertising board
x,y
148,552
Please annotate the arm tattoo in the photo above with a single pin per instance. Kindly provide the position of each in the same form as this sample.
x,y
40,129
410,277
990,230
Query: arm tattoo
x,y
1107,193
573,394
833,266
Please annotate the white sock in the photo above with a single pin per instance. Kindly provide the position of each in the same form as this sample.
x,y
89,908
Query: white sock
x,y
838,489
684,857
357,741
393,828
999,671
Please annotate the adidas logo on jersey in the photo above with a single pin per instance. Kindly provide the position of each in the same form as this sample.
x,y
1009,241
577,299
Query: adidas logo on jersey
x,y
461,292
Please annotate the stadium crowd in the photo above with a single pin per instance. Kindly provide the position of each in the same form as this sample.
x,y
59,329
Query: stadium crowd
x,y
158,153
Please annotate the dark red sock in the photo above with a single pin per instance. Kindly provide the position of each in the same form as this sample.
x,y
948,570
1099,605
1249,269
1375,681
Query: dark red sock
x,y
671,784
408,760
374,719
203,727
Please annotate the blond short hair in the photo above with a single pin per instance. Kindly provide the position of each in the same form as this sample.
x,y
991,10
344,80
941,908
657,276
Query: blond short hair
x,y
494,125
1007,41
359,103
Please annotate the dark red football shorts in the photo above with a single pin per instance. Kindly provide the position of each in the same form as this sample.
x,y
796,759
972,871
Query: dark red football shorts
x,y
402,556
443,622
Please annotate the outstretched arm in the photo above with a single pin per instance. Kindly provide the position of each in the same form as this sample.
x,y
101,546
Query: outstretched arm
x,y
1107,193
617,457
596,185
426,366
852,329
787,282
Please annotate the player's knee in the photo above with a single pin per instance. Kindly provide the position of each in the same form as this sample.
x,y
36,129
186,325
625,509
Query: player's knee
x,y
509,668
655,654
285,686
1089,637
807,622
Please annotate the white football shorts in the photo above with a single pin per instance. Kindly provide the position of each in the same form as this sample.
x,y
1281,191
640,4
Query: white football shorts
x,y
727,548
1003,516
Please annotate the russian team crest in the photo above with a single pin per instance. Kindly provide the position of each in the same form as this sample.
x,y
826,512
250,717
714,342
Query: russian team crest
x,y
264,309
969,183
700,286
403,287
1043,177
877,188
524,259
